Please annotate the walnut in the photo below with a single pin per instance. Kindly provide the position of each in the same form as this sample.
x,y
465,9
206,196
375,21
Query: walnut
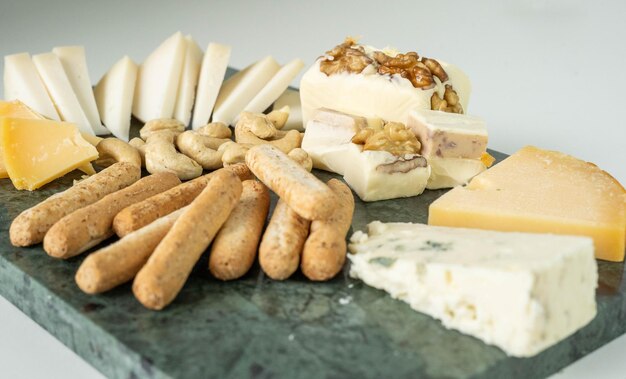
x,y
436,69
450,102
410,67
345,58
393,137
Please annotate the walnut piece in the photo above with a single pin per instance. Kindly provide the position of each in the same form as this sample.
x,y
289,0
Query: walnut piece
x,y
345,58
393,137
450,102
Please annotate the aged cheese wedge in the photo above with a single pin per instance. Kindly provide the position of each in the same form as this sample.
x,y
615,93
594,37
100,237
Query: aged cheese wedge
x,y
188,81
114,96
38,151
58,85
239,89
541,191
22,82
212,73
158,79
275,87
291,98
75,65
521,292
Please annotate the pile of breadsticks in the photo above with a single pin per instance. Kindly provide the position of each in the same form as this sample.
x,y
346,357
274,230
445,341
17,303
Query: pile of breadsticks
x,y
165,225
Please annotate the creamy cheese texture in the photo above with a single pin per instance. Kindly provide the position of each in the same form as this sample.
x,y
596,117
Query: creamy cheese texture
x,y
520,292
541,191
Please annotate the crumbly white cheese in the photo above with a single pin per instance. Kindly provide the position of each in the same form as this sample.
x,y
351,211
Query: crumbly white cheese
x,y
521,292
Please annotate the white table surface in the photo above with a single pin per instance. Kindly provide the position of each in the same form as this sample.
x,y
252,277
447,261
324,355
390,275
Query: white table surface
x,y
548,73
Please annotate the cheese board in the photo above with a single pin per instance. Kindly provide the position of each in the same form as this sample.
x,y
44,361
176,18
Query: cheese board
x,y
256,327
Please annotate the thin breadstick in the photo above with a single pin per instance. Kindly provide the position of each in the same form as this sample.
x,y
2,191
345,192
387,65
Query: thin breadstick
x,y
31,226
88,226
163,276
235,246
305,194
144,212
119,262
324,252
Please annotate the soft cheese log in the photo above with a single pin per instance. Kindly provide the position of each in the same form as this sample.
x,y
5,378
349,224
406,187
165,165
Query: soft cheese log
x,y
541,191
158,79
188,81
214,65
275,87
291,99
521,292
371,94
239,89
22,82
75,66
114,97
58,85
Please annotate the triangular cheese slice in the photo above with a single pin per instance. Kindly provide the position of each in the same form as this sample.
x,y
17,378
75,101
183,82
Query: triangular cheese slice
x,y
212,73
188,81
22,82
291,99
158,79
38,151
114,97
75,65
275,87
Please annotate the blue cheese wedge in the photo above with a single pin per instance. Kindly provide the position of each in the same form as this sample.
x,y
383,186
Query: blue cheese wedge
x,y
521,292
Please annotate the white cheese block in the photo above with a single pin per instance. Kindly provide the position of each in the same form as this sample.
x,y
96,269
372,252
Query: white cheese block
x,y
452,172
114,97
58,85
158,79
291,98
371,95
75,65
521,292
22,82
275,87
212,73
188,81
238,90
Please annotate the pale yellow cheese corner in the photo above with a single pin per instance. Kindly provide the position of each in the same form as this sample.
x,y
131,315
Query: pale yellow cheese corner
x,y
541,191
38,151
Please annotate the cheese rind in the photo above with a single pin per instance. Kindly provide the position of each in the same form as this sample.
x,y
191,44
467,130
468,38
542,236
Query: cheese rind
x,y
39,151
541,191
188,81
214,65
520,292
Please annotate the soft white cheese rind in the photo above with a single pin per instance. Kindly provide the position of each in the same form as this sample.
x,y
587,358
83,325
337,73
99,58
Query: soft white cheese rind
x,y
521,292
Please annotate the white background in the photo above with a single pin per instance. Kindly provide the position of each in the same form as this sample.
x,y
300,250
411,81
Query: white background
x,y
546,73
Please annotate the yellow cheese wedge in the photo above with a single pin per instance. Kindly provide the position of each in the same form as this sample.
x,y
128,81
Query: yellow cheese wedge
x,y
38,151
541,191
17,109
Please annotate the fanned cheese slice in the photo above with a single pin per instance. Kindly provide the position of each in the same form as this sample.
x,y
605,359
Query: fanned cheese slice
x,y
214,65
114,97
58,85
75,65
158,79
238,90
22,82
541,191
275,87
188,81
38,151
291,98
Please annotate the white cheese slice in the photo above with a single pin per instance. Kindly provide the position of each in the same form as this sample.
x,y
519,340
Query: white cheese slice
x,y
212,73
58,85
521,292
238,90
114,96
452,172
291,98
158,79
275,87
74,64
188,81
22,82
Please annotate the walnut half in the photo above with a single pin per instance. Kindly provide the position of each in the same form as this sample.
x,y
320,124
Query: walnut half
x,y
393,137
450,102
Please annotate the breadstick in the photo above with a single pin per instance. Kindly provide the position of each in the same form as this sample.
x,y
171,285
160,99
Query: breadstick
x,y
324,251
88,226
31,225
144,212
159,281
304,193
120,261
235,246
